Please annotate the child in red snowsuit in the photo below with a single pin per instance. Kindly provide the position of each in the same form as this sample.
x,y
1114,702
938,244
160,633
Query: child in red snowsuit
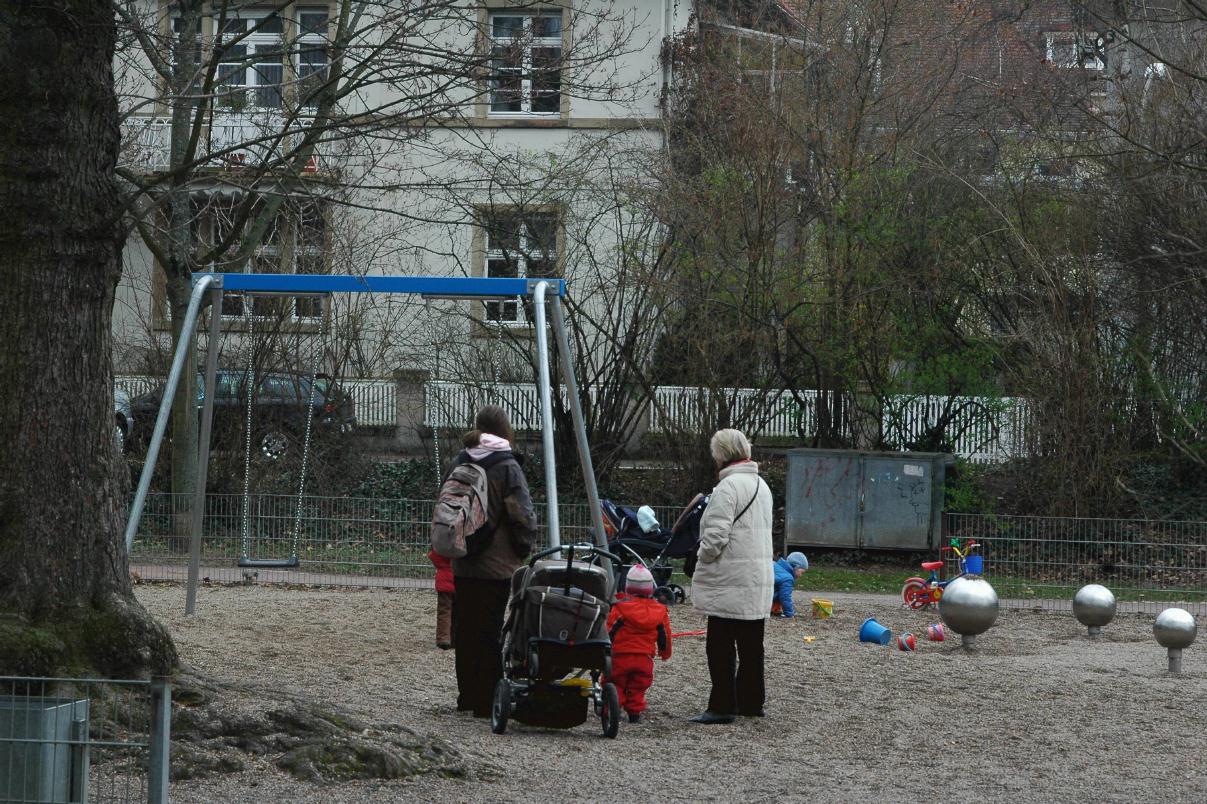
x,y
445,592
639,627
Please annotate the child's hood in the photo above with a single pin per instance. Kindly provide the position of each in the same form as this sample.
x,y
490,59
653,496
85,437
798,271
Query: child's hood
x,y
642,612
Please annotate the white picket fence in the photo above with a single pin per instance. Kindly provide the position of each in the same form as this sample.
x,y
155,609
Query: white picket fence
x,y
774,414
454,404
981,429
376,401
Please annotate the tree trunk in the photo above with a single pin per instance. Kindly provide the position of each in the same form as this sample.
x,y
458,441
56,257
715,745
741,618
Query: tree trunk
x,y
178,281
65,597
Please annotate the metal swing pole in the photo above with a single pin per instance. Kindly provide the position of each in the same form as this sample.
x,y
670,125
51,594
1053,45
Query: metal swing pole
x,y
542,356
203,451
204,282
580,425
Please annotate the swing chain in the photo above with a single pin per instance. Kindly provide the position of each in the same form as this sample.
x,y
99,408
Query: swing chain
x,y
314,367
248,382
434,375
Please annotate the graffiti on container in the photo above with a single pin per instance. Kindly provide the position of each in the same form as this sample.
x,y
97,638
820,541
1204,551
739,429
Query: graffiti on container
x,y
916,493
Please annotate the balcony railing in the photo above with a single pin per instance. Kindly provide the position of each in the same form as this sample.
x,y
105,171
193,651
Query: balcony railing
x,y
232,142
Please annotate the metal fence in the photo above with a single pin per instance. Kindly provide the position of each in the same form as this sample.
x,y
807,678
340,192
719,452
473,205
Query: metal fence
x,y
78,739
354,541
1032,561
1043,561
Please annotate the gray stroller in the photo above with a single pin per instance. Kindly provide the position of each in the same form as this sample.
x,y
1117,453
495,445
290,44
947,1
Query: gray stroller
x,y
556,648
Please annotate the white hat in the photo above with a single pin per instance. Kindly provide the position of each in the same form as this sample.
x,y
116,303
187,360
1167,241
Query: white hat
x,y
646,519
639,581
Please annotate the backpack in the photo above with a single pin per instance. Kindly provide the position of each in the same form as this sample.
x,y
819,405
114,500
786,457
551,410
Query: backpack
x,y
460,527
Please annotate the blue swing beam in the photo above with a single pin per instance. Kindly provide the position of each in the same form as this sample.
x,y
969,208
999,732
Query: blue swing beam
x,y
432,287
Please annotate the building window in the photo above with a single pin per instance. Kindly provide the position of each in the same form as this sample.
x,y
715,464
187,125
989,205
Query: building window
x,y
519,246
1069,49
313,57
294,243
253,49
526,63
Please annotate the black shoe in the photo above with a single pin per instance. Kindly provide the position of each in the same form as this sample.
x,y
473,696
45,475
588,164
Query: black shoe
x,y
635,717
444,645
713,717
755,713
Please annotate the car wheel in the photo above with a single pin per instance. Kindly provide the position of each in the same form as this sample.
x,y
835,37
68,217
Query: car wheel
x,y
274,444
119,438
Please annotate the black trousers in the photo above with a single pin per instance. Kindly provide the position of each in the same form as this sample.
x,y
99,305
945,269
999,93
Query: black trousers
x,y
478,610
735,664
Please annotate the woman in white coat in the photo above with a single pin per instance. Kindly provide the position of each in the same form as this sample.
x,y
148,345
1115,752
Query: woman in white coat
x,y
733,582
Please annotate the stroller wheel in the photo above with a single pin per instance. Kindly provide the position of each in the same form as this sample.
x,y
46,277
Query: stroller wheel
x,y
500,710
665,595
680,593
609,713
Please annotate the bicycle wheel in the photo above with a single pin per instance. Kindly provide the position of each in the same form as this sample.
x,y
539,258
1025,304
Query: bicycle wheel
x,y
915,593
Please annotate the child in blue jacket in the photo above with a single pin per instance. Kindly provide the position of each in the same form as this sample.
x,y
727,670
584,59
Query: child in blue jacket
x,y
787,570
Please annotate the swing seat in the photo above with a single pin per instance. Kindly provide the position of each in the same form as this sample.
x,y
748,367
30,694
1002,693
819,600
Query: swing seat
x,y
268,563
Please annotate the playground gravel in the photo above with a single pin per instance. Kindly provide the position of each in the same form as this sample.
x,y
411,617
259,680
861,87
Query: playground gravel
x,y
1038,712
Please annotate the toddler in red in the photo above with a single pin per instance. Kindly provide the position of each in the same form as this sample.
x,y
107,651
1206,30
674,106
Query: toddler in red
x,y
639,627
446,590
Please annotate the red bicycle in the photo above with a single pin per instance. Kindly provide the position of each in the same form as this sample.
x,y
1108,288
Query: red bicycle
x,y
918,593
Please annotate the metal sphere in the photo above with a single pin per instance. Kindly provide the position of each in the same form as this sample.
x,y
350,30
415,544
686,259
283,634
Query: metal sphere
x,y
1175,628
968,606
1094,606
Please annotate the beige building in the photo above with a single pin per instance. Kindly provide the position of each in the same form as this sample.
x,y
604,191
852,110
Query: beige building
x,y
504,140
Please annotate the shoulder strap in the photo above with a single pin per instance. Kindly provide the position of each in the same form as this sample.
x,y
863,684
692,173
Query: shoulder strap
x,y
758,486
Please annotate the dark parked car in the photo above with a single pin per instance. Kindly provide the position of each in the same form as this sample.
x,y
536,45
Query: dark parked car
x,y
278,410
123,419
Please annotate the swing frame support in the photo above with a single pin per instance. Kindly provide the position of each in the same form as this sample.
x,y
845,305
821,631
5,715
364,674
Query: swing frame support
x,y
544,293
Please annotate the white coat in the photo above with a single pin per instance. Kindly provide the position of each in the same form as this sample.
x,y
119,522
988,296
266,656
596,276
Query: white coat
x,y
734,577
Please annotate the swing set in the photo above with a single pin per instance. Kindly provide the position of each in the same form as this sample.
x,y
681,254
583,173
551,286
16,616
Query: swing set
x,y
543,293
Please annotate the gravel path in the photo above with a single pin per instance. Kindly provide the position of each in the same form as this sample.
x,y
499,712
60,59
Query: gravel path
x,y
1039,712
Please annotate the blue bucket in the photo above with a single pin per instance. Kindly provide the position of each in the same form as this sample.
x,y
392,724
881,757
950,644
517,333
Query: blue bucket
x,y
872,631
974,565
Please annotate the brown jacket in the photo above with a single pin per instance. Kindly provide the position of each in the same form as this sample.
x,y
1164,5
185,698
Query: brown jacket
x,y
509,509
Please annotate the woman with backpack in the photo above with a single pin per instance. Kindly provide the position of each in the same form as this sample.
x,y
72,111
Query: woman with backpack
x,y
733,580
482,578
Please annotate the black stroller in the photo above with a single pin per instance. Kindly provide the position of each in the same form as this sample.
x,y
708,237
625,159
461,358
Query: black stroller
x,y
657,550
555,642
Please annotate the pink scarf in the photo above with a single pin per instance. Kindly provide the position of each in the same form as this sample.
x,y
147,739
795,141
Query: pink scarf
x,y
487,444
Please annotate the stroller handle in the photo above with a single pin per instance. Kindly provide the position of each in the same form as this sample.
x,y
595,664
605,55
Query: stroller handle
x,y
585,548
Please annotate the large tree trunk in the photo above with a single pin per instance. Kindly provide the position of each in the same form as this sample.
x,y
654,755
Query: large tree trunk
x,y
65,597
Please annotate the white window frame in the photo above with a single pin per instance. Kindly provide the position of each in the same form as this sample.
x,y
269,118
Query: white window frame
x,y
1082,47
308,41
512,312
528,43
274,42
251,83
